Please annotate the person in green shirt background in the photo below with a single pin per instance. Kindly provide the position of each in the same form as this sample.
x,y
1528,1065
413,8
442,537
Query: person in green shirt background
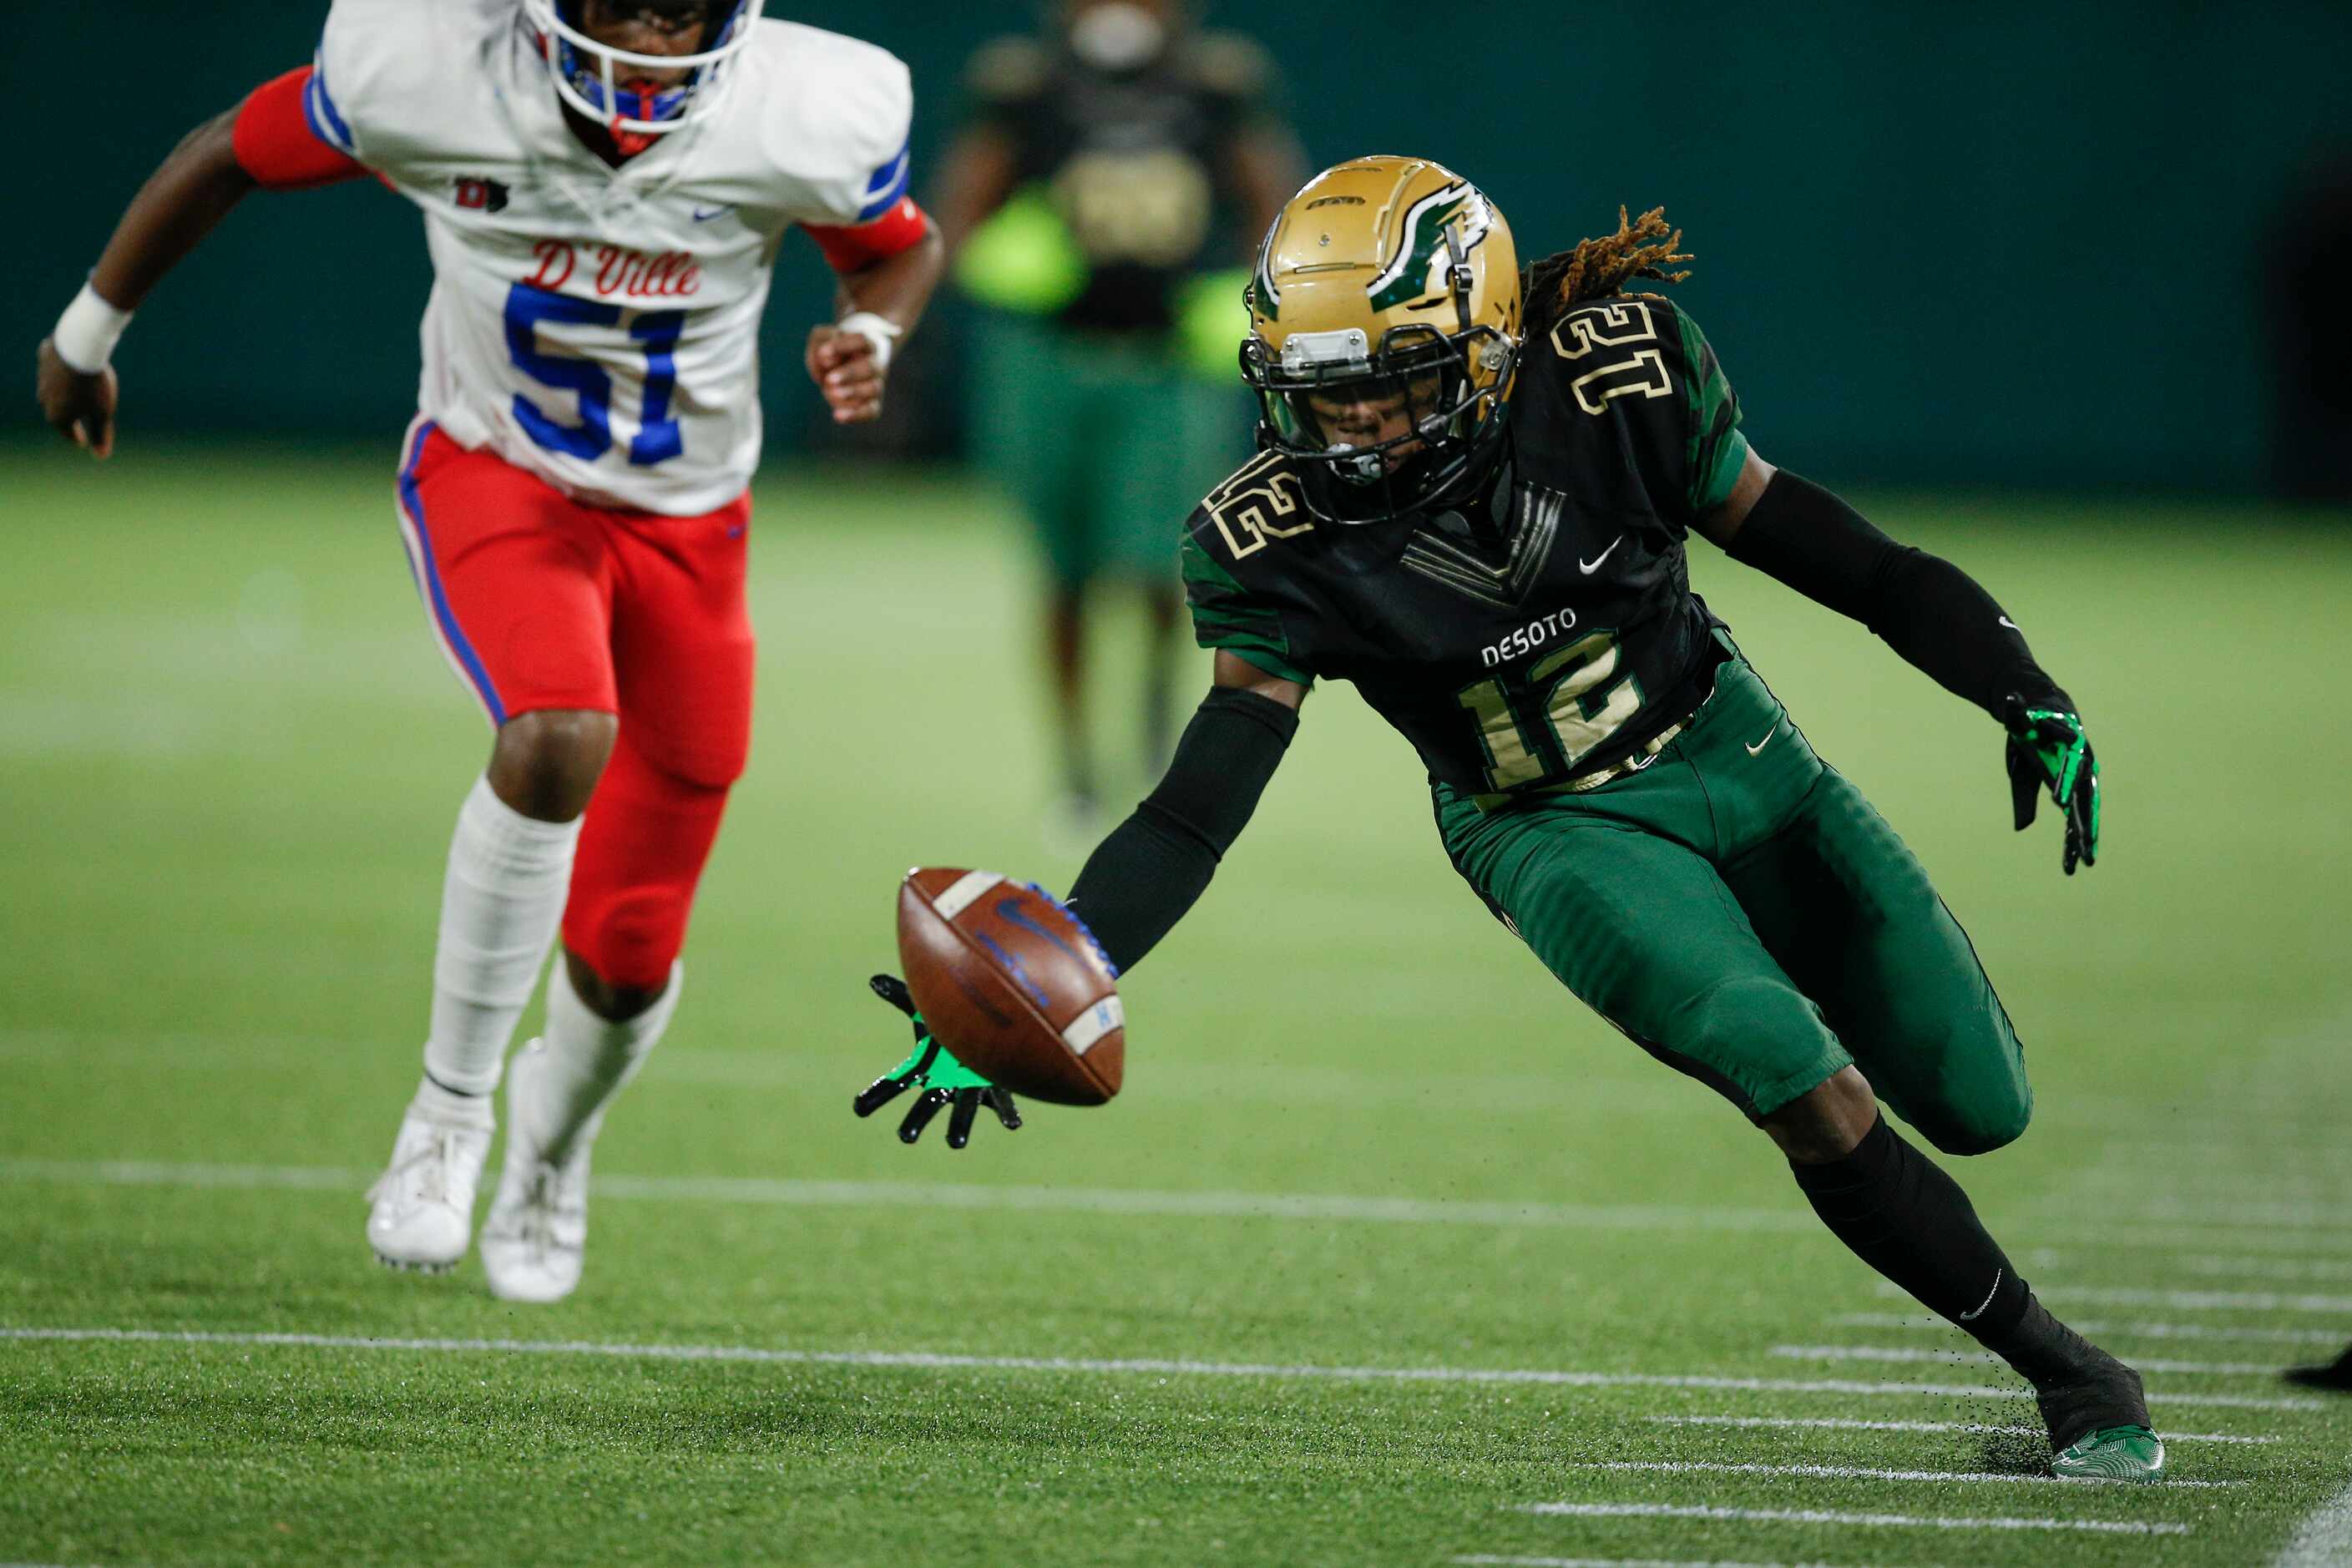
x,y
1103,199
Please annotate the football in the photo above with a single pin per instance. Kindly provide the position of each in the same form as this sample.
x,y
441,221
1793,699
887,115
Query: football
x,y
1011,983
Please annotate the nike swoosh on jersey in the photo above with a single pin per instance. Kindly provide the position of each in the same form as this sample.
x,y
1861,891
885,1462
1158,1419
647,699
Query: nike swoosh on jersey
x,y
1589,567
702,216
2013,625
1765,741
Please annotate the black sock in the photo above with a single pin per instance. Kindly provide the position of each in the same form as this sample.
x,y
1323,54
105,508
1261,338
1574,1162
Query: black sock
x,y
1904,1218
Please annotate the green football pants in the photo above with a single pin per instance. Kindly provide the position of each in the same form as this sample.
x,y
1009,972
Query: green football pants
x,y
1107,445
1739,910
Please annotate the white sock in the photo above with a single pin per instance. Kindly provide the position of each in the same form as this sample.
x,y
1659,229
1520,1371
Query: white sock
x,y
589,1059
500,904
437,1104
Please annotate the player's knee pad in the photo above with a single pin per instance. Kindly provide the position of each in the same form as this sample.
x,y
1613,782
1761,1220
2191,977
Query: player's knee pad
x,y
1752,1038
630,936
642,850
1977,1119
708,761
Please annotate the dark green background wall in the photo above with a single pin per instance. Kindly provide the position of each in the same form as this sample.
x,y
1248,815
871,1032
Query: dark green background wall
x,y
1998,243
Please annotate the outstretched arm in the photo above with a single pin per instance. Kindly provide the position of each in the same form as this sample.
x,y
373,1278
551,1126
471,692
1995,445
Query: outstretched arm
x,y
1934,615
1155,865
1928,610
263,141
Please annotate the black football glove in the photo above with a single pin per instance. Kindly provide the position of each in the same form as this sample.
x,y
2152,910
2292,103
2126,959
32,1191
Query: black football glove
x,y
2048,751
944,1080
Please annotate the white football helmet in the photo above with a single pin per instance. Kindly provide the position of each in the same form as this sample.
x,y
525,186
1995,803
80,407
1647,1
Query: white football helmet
x,y
588,74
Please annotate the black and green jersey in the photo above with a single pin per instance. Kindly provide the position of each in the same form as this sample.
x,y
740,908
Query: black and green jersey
x,y
1550,631
1133,168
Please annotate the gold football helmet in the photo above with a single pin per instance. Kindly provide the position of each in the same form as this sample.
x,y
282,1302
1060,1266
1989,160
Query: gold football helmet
x,y
1385,283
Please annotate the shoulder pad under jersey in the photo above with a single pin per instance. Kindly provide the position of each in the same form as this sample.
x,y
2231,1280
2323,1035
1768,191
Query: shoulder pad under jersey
x,y
830,119
393,77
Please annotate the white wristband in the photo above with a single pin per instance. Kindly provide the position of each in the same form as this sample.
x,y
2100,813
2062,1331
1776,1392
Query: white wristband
x,y
87,331
879,331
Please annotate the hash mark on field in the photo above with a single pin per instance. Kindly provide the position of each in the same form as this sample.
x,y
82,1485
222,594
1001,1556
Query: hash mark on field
x,y
1866,1473
1986,1358
1835,1423
1828,1515
2324,1538
2287,1215
1165,1368
2180,1300
2112,1326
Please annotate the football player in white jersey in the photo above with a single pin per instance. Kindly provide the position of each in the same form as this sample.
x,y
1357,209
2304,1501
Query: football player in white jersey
x,y
606,185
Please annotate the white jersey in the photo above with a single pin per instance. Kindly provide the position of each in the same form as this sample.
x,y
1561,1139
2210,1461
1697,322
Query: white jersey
x,y
600,327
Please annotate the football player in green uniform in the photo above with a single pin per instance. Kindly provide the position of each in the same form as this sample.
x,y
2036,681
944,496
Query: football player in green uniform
x,y
1479,518
1103,202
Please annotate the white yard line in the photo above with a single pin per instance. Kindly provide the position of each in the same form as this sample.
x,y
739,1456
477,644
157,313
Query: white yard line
x,y
2267,1336
2323,1540
1985,1358
2279,1216
1148,1366
2191,1238
1834,1424
1828,1515
2290,1269
812,1194
2181,1300
966,1195
1866,1473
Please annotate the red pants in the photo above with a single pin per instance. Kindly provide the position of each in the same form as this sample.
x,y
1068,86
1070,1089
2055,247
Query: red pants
x,y
541,602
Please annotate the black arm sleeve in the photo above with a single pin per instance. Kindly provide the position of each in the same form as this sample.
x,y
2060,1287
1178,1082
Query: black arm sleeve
x,y
1155,865
1928,610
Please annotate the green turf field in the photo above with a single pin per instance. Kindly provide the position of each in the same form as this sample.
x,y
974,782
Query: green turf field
x,y
1389,1253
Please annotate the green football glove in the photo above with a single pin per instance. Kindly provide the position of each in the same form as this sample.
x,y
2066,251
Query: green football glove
x,y
943,1080
2048,751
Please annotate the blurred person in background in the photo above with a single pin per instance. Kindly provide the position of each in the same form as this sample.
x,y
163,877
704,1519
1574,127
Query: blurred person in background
x,y
2308,257
1103,199
605,184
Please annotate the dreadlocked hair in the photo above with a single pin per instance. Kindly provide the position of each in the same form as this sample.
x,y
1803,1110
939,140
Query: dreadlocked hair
x,y
1595,269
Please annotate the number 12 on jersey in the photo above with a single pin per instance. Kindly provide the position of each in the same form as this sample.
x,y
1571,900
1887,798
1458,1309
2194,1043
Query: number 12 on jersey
x,y
1576,699
658,439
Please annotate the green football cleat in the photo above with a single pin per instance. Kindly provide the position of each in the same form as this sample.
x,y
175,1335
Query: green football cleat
x,y
2113,1454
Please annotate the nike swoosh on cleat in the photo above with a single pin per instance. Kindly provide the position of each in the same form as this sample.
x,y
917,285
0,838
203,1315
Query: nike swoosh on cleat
x,y
2013,625
1765,741
1589,567
1972,1317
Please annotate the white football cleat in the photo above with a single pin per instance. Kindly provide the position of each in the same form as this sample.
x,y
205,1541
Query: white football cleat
x,y
422,1207
535,1240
